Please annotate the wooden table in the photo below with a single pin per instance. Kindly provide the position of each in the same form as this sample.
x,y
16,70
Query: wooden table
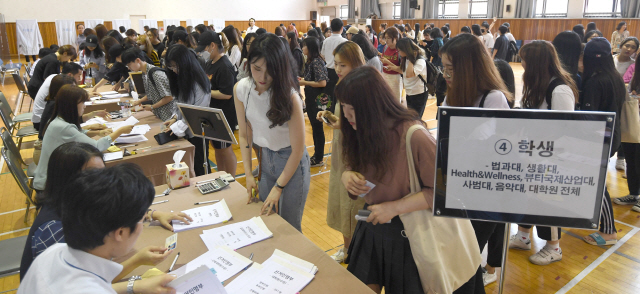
x,y
153,160
331,276
111,106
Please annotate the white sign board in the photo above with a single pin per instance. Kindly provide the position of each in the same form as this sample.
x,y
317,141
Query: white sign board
x,y
66,31
535,167
28,39
152,23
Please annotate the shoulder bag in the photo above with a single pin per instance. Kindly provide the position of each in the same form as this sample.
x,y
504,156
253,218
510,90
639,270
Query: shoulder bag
x,y
630,120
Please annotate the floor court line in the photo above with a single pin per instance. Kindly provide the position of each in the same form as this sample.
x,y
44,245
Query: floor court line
x,y
21,209
15,231
597,262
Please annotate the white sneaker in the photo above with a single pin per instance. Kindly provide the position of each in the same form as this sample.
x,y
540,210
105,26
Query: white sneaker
x,y
519,243
626,200
636,207
339,256
624,174
546,256
620,164
488,278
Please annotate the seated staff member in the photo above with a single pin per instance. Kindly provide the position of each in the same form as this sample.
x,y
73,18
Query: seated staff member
x,y
414,73
223,79
64,127
190,85
70,69
270,113
49,65
102,215
156,85
546,86
314,79
603,90
117,73
66,162
92,58
379,255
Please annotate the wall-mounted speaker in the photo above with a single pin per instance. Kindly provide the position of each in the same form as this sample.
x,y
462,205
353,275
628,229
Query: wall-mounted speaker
x,y
508,8
413,4
313,15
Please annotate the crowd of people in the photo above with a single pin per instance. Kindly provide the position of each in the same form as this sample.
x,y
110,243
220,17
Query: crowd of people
x,y
365,85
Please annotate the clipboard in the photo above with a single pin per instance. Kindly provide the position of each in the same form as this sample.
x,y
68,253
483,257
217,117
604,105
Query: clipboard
x,y
138,82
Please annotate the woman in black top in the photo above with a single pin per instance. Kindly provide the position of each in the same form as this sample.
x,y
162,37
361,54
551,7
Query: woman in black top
x,y
314,79
603,90
49,65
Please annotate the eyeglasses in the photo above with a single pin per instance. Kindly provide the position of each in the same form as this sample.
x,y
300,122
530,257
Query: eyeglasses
x,y
447,73
172,68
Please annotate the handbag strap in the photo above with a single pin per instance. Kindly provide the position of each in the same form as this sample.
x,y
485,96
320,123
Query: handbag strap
x,y
414,181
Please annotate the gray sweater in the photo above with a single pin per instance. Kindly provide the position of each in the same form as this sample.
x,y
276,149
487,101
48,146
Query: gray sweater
x,y
59,132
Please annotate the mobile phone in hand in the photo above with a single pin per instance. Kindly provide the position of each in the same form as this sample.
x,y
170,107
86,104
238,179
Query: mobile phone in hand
x,y
326,121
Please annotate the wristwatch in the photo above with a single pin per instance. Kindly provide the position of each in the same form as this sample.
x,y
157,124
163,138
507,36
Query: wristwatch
x,y
130,284
281,187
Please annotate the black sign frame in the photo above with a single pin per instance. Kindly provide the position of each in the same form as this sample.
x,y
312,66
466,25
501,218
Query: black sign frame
x,y
440,193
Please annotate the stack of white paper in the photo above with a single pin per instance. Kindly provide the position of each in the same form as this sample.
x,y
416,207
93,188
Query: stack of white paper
x,y
237,235
204,216
114,96
118,124
108,93
138,130
201,279
112,156
130,139
281,273
95,120
222,259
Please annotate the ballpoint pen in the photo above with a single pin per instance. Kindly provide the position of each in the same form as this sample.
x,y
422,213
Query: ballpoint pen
x,y
205,202
163,201
174,261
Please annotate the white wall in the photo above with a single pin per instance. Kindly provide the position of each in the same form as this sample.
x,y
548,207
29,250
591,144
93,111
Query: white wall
x,y
45,11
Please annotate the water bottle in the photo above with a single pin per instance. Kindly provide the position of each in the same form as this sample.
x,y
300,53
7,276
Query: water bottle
x,y
88,81
10,63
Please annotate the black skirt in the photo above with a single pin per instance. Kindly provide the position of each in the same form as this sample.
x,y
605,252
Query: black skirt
x,y
381,255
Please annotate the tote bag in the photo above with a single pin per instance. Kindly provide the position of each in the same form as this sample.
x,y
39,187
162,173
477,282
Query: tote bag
x,y
445,249
630,120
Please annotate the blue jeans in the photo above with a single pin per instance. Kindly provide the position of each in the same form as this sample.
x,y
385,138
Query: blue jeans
x,y
294,195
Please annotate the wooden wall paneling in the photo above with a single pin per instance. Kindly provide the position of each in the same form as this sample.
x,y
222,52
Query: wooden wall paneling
x,y
183,23
48,32
11,38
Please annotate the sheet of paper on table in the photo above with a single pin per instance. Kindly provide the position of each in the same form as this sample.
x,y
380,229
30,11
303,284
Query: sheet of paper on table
x,y
204,216
97,102
237,235
108,93
222,259
275,275
200,280
95,120
114,96
109,156
138,130
130,139
118,124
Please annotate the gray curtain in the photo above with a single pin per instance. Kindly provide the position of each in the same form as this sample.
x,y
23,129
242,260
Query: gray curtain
x,y
630,8
430,9
352,9
495,8
369,7
524,8
405,11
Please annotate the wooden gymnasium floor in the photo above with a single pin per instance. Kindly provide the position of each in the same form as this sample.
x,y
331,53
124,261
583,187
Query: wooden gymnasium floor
x,y
584,268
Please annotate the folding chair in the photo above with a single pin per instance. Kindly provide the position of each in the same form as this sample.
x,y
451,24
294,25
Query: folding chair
x,y
20,133
23,90
18,118
26,78
8,143
11,255
20,177
6,69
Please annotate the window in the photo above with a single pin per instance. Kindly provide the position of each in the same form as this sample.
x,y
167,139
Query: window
x,y
344,11
552,8
448,8
602,8
396,10
478,8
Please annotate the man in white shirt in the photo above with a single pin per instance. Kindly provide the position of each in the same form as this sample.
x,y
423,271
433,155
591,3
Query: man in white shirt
x,y
252,26
71,69
328,46
487,37
97,229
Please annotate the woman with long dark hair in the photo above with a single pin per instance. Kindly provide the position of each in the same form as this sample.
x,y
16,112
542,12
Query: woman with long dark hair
x,y
391,62
546,86
568,45
414,75
296,52
618,36
314,79
269,113
370,52
579,29
371,34
189,85
64,126
603,90
475,30
92,58
114,34
438,42
243,70
418,33
235,43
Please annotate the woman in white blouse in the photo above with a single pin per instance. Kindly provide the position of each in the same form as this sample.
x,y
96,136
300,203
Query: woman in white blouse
x,y
233,51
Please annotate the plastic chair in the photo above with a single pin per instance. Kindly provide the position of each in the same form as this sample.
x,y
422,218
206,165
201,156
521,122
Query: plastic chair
x,y
7,69
20,133
20,177
19,118
23,92
8,143
11,255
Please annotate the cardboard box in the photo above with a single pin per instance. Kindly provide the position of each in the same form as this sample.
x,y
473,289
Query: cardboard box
x,y
177,177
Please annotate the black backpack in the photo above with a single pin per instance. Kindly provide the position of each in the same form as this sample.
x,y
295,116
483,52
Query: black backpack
x,y
433,73
153,70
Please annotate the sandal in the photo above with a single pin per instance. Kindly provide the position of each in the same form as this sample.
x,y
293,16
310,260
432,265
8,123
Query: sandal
x,y
599,240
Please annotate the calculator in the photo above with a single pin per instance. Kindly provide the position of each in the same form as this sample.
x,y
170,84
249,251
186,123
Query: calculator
x,y
213,186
